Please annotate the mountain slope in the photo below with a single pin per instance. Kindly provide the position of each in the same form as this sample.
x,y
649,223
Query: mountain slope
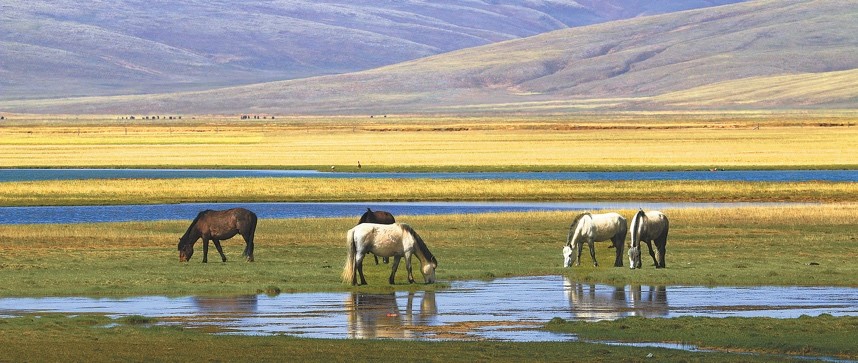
x,y
739,56
64,48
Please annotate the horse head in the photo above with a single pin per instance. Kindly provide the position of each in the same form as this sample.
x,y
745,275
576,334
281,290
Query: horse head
x,y
186,250
635,257
567,256
429,270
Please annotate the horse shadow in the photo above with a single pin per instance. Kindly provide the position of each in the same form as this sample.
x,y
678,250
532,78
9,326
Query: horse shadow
x,y
374,316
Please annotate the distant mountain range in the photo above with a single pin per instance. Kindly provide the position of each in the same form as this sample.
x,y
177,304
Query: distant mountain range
x,y
69,48
756,54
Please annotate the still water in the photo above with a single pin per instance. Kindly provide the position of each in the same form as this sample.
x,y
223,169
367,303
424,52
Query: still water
x,y
508,309
7,175
155,212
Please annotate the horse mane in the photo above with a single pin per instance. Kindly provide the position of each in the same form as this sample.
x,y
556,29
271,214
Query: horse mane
x,y
420,244
637,220
194,223
578,219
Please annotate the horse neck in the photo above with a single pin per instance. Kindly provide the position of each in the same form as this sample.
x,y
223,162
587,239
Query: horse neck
x,y
577,228
421,251
638,223
192,234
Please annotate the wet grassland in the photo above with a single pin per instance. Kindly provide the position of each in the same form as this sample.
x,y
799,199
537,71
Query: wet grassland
x,y
810,245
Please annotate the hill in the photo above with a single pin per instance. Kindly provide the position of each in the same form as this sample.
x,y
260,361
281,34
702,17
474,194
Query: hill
x,y
759,54
65,48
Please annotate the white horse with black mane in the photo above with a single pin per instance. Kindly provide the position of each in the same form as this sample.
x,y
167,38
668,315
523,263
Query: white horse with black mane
x,y
648,227
589,228
396,240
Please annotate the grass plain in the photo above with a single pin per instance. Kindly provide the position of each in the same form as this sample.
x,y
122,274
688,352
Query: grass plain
x,y
784,245
641,141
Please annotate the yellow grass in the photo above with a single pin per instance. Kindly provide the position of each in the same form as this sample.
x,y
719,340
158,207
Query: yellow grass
x,y
636,141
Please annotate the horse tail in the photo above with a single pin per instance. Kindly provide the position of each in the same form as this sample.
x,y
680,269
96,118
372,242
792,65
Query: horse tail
x,y
251,234
349,268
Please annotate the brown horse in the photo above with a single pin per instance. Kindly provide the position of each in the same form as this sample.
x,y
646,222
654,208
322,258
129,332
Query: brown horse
x,y
379,217
211,225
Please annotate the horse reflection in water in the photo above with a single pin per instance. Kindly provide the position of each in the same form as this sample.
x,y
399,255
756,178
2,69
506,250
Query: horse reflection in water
x,y
378,316
593,302
226,305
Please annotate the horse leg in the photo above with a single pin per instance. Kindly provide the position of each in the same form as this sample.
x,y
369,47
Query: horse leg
x,y
248,249
393,270
618,244
219,249
661,245
205,250
593,252
578,246
376,258
408,268
651,253
359,268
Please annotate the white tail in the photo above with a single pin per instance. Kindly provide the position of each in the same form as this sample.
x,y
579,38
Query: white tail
x,y
349,268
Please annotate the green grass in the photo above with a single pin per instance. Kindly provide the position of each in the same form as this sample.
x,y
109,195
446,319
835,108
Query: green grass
x,y
824,335
89,338
747,246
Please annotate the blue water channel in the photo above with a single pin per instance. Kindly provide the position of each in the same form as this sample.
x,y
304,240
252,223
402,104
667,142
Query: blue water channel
x,y
156,212
8,175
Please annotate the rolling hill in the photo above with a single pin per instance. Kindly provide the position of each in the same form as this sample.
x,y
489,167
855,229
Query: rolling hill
x,y
759,54
66,48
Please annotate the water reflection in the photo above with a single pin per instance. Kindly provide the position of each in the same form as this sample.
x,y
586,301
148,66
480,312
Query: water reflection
x,y
374,316
242,304
510,309
595,302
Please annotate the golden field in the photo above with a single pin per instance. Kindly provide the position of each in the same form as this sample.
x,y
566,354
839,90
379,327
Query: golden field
x,y
584,142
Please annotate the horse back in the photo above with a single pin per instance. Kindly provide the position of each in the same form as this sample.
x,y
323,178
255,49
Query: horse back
x,y
608,225
379,217
383,240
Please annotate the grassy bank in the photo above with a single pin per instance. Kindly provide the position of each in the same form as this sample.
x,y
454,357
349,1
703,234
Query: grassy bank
x,y
746,246
139,191
824,335
100,339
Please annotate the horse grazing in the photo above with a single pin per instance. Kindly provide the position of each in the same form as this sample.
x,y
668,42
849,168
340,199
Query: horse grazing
x,y
386,240
211,225
647,227
380,217
591,228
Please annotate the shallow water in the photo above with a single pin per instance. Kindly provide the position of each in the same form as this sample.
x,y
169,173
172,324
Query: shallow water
x,y
738,175
509,309
155,212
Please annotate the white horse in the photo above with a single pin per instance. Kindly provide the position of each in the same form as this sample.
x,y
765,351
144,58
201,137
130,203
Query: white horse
x,y
386,240
591,228
648,227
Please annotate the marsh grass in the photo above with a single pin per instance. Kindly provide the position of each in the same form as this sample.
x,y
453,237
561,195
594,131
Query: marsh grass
x,y
140,191
746,246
